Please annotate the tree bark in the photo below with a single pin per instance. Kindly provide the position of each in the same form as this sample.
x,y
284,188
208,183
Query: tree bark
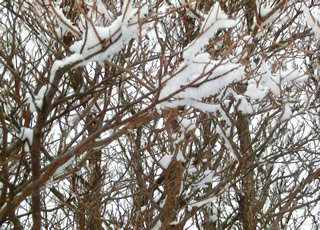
x,y
36,167
247,202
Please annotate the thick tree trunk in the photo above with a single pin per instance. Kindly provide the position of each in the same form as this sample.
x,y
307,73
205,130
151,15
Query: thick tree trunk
x,y
247,202
94,216
36,171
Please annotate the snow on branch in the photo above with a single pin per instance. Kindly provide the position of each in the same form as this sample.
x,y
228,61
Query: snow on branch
x,y
199,79
64,23
201,203
100,43
26,135
198,76
59,171
215,20
312,21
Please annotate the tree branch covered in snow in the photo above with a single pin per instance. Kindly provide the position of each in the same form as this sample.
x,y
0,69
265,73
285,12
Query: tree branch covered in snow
x,y
159,114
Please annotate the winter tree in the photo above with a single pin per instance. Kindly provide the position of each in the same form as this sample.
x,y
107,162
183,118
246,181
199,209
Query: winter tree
x,y
159,114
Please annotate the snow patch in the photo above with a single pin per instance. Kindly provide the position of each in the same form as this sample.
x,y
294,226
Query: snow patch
x,y
157,226
26,134
312,21
63,167
40,97
286,112
265,10
180,156
203,202
198,76
254,91
165,161
101,43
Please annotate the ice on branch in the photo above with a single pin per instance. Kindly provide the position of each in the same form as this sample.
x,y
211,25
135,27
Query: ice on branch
x,y
312,21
